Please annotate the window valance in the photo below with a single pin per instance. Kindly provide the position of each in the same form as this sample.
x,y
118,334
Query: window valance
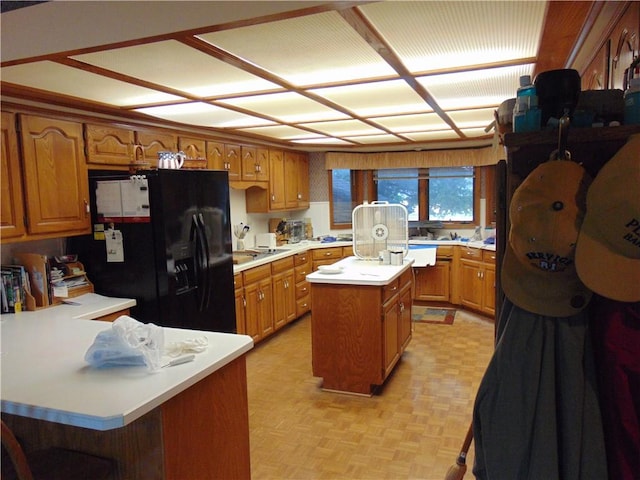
x,y
476,157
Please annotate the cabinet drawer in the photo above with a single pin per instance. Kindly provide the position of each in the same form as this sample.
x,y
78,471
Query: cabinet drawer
x,y
445,251
390,290
301,273
488,256
256,273
330,252
282,265
471,253
301,258
237,281
302,289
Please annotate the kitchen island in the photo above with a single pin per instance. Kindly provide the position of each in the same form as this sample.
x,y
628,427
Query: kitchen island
x,y
186,421
360,322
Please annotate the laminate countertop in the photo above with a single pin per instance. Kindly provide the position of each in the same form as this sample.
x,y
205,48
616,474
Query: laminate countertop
x,y
45,376
355,271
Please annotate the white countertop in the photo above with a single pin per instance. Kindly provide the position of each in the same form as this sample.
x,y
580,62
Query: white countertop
x,y
287,250
45,376
355,271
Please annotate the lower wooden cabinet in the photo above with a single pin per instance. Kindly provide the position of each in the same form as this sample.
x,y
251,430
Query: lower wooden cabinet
x,y
302,268
477,280
284,292
258,302
238,292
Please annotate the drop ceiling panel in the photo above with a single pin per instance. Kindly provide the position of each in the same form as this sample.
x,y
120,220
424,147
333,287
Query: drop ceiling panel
x,y
432,136
64,80
375,139
286,107
344,128
175,65
204,114
473,118
412,123
475,88
281,132
309,50
376,98
431,36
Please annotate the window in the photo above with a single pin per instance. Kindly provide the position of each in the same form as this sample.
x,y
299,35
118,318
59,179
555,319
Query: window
x,y
400,187
450,195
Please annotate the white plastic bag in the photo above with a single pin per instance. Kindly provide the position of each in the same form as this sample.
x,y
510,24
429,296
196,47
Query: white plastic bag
x,y
128,343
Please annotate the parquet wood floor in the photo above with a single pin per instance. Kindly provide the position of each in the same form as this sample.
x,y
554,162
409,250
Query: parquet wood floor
x,y
412,429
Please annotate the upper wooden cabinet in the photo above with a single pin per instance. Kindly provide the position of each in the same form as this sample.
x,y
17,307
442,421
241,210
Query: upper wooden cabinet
x,y
196,151
119,146
11,200
56,186
255,164
149,143
108,145
288,187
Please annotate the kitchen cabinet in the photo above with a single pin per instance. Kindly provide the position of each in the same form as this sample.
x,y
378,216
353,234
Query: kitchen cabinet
x,y
288,187
359,330
255,164
233,161
325,256
296,180
149,143
396,320
109,145
124,147
302,268
477,279
12,222
433,283
55,177
195,150
624,43
238,292
258,297
284,292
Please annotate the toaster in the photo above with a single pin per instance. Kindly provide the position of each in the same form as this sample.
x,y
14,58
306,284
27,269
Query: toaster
x,y
266,240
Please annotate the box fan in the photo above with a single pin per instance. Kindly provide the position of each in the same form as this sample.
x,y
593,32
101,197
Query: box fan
x,y
379,226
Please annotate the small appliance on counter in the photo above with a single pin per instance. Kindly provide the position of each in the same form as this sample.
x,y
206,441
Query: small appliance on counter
x,y
296,231
266,240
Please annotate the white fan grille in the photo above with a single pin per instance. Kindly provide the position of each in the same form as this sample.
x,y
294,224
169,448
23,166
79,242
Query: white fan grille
x,y
379,226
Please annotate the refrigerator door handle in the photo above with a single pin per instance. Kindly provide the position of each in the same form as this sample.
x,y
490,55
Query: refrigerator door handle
x,y
204,266
201,263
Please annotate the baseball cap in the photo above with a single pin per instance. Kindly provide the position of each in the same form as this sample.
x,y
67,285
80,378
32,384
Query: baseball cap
x,y
608,250
546,211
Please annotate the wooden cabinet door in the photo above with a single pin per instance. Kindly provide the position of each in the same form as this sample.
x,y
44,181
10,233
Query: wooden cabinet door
x,y
624,44
489,289
390,330
233,161
149,143
432,283
107,145
215,156
195,150
252,298
11,199
262,165
303,180
238,291
56,178
470,284
279,300
404,326
276,180
265,306
290,180
249,163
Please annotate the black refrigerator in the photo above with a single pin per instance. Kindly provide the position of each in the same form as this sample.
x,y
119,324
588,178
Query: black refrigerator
x,y
163,237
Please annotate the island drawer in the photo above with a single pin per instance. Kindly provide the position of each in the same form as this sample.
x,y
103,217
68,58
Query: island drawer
x,y
390,290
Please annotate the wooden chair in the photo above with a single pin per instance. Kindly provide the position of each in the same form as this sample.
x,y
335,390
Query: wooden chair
x,y
50,463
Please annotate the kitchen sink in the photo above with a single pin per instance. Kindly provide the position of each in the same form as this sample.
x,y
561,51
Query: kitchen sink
x,y
242,256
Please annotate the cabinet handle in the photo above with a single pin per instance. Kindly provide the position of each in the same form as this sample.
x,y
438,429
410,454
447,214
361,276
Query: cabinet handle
x,y
87,210
328,254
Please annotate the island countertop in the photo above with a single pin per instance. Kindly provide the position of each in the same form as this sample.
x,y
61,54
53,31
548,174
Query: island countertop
x,y
45,376
356,271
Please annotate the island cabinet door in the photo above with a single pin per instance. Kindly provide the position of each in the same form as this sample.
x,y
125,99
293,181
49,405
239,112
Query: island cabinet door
x,y
404,326
390,338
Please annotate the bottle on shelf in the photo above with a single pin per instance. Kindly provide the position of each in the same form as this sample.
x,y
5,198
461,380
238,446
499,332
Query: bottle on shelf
x,y
526,114
632,102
